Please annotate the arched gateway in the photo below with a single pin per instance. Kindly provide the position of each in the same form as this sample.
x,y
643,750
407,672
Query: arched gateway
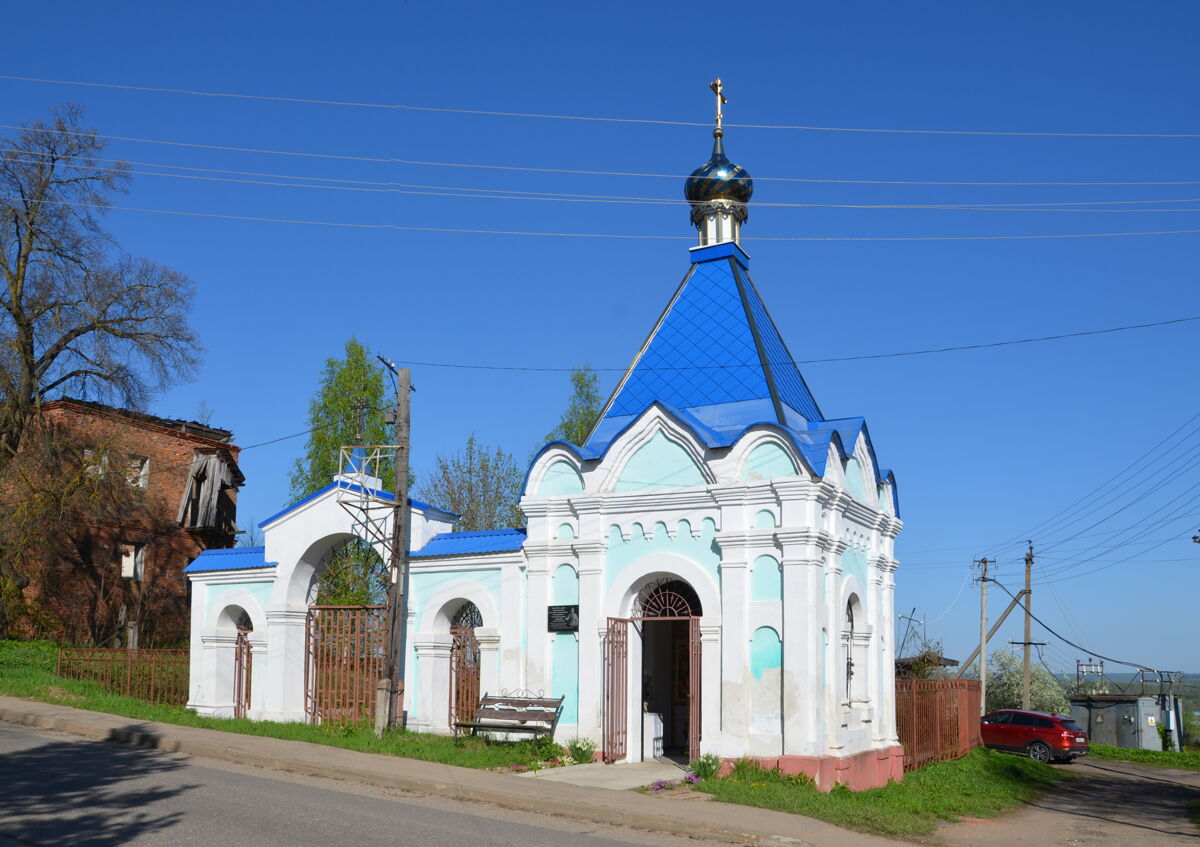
x,y
685,578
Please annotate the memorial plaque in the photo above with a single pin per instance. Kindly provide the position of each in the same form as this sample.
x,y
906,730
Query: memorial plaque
x,y
562,618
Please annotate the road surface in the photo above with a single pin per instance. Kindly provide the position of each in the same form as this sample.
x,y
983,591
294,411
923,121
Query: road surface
x,y
57,789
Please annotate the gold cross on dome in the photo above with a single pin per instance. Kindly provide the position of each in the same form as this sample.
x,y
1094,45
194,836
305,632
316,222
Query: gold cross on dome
x,y
717,89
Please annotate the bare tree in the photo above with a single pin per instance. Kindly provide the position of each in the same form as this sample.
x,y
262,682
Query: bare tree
x,y
77,315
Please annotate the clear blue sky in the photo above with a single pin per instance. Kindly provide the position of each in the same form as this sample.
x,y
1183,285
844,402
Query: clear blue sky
x,y
986,444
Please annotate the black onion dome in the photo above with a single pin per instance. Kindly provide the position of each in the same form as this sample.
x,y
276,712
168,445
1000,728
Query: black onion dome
x,y
718,179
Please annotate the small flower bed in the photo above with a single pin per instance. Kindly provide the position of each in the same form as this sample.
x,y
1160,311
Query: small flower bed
x,y
670,784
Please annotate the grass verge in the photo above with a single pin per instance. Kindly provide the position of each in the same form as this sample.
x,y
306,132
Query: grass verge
x,y
981,784
1186,760
27,670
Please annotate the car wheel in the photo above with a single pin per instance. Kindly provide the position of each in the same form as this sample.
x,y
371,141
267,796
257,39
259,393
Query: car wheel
x,y
1040,752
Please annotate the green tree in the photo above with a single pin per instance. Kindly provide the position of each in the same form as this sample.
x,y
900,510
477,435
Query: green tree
x,y
348,408
1005,673
583,409
482,484
336,420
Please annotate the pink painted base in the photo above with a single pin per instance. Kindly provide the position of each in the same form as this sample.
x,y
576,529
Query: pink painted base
x,y
872,769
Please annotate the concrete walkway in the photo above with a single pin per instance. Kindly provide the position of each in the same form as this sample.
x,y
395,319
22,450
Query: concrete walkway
x,y
613,777
725,822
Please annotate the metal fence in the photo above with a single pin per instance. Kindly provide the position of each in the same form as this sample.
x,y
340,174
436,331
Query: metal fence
x,y
157,676
344,662
936,719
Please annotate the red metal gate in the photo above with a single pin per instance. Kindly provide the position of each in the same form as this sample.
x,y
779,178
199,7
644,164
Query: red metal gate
x,y
464,674
243,658
616,689
693,689
344,662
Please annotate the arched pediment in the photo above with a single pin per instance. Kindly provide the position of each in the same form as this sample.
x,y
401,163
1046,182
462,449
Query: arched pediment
x,y
659,462
561,478
767,460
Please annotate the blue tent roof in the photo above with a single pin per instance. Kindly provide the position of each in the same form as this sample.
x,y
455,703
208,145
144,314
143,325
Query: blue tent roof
x,y
468,543
714,354
233,559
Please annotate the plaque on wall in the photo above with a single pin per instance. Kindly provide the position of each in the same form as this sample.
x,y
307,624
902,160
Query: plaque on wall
x,y
562,618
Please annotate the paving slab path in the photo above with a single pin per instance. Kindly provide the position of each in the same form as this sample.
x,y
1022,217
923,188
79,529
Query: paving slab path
x,y
1110,803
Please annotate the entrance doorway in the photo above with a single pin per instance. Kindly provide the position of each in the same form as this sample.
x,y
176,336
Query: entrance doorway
x,y
666,624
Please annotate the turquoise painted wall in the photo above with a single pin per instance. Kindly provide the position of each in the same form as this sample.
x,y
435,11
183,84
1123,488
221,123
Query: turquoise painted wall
x,y
564,675
560,479
854,563
425,585
565,589
765,519
855,484
766,580
767,461
702,550
766,651
659,463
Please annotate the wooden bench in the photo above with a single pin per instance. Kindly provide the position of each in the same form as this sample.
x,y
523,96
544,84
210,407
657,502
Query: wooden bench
x,y
514,713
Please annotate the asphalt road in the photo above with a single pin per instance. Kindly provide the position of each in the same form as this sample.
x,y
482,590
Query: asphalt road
x,y
56,789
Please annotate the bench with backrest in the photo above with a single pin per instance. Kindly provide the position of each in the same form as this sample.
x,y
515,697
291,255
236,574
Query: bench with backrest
x,y
537,716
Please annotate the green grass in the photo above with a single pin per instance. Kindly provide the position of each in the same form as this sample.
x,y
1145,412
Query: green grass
x,y
981,784
27,670
1186,760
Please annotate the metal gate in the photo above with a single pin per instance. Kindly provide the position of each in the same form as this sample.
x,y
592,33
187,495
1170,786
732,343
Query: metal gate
x,y
344,662
668,600
464,674
242,660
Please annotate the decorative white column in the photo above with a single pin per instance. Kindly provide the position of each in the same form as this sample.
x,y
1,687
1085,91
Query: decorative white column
x,y
711,737
433,656
287,654
488,639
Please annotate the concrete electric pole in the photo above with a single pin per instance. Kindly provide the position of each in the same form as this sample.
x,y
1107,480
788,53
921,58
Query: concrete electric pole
x,y
1028,624
983,588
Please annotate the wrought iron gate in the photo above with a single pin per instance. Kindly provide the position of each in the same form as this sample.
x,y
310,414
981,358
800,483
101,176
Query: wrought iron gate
x,y
242,659
464,674
616,689
665,601
344,662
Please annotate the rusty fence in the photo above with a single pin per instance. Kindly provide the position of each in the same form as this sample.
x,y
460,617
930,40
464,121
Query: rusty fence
x,y
936,719
157,676
344,662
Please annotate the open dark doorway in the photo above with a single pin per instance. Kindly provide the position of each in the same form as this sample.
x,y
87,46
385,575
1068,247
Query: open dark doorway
x,y
665,687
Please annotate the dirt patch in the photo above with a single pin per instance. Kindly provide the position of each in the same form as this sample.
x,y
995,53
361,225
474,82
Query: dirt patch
x,y
62,695
1111,803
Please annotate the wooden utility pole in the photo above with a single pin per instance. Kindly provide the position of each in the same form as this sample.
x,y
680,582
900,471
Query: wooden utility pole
x,y
389,702
983,586
1028,624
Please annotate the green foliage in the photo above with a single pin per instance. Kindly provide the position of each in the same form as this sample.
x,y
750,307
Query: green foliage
x,y
982,784
355,576
582,749
334,416
1186,760
1166,737
1005,674
583,408
27,670
706,766
482,484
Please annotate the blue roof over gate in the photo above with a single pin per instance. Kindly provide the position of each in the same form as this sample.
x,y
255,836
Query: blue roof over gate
x,y
358,489
468,543
233,559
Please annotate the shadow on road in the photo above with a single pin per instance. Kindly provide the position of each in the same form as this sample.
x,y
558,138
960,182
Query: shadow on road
x,y
94,793
1135,800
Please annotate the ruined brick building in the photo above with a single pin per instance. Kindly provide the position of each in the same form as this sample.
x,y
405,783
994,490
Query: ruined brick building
x,y
143,497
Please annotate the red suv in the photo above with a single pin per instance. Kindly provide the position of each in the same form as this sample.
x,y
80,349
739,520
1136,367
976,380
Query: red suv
x,y
1042,737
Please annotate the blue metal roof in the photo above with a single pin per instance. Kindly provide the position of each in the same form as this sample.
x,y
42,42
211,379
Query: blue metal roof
x,y
714,353
350,486
232,559
469,543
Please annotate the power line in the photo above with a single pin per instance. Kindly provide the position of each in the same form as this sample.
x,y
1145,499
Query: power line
x,y
405,107
585,172
791,238
473,192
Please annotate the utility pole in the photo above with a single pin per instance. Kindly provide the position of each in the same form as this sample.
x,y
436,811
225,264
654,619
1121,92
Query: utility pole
x,y
1028,625
983,586
389,702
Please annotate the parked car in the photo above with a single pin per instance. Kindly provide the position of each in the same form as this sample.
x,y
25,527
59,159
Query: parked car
x,y
1040,736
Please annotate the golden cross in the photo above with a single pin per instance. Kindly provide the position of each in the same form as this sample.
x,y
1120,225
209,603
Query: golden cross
x,y
717,89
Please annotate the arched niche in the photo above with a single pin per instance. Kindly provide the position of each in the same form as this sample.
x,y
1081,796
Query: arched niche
x,y
560,479
767,460
766,580
659,463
